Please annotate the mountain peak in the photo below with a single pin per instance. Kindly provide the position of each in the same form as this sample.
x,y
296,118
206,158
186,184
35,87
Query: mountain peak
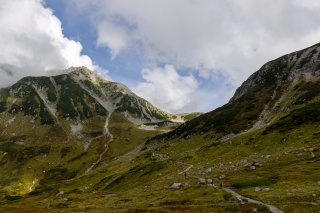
x,y
280,87
83,73
78,94
288,67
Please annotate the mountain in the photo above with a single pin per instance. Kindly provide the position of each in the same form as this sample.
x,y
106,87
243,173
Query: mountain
x,y
63,127
262,145
280,89
77,143
78,95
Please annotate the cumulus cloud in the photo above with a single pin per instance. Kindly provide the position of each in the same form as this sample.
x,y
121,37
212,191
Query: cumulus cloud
x,y
32,42
113,37
164,87
230,38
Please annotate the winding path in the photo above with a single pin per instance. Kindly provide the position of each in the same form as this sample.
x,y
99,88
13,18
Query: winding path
x,y
272,209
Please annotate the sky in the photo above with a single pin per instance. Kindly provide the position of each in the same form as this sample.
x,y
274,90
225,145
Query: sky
x,y
181,55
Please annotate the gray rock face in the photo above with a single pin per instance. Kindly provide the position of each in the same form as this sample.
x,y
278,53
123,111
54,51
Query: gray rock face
x,y
209,181
285,68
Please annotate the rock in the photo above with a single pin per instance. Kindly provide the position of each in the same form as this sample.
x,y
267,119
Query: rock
x,y
283,140
318,183
209,181
256,164
255,210
267,156
202,181
60,193
222,177
175,186
226,137
266,189
299,154
238,198
257,189
65,199
208,170
312,149
312,155
252,166
209,184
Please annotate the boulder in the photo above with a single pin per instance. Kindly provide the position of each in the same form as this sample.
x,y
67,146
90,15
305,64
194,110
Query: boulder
x,y
257,189
252,166
222,177
238,198
266,189
176,186
202,181
312,155
209,181
267,156
208,170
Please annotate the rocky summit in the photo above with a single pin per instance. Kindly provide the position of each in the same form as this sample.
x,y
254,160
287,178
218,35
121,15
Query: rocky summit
x,y
75,142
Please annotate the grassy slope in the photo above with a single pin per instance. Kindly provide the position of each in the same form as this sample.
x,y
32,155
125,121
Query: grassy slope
x,y
130,179
139,180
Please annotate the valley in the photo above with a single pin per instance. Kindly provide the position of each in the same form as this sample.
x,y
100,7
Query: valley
x,y
78,143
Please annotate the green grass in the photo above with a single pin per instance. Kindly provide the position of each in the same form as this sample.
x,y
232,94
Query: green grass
x,y
254,183
131,180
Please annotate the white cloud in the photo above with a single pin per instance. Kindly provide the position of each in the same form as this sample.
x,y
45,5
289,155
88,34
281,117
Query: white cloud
x,y
112,37
166,88
32,42
230,38
217,39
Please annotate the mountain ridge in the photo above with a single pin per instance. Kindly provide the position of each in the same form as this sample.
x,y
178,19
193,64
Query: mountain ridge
x,y
257,153
260,95
55,92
